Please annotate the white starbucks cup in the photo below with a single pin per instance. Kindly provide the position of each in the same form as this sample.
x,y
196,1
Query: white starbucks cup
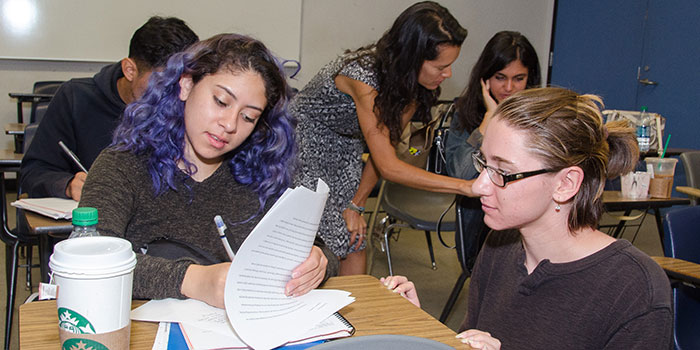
x,y
94,276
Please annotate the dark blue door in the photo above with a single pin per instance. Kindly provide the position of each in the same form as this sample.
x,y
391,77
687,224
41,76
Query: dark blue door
x,y
633,54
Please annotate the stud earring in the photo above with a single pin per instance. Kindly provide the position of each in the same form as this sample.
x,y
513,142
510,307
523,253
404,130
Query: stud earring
x,y
557,208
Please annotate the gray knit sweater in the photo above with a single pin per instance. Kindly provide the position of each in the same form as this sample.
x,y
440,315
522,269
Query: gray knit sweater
x,y
121,189
616,298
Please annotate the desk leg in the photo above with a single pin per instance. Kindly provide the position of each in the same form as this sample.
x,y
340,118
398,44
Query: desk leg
x,y
621,225
44,254
660,227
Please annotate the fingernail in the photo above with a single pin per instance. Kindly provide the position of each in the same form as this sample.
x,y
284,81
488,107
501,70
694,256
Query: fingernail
x,y
295,274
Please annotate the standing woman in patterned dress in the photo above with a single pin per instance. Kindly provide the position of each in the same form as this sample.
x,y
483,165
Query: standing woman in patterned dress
x,y
369,96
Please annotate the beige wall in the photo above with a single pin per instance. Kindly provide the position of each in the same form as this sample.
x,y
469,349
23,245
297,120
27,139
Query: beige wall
x,y
328,27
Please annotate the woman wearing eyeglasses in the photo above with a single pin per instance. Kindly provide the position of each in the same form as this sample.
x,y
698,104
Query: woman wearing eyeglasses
x,y
546,277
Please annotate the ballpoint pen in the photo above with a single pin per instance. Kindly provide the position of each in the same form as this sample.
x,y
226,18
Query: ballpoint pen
x,y
221,227
72,155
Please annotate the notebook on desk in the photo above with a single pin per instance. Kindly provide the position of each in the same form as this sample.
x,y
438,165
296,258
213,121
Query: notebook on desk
x,y
57,208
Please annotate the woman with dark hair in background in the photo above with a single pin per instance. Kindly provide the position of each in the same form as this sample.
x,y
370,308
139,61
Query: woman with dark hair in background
x,y
507,64
211,136
546,277
369,96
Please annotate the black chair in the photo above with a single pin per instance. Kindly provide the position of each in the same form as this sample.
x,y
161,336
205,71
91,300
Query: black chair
x,y
408,207
681,241
691,164
15,239
470,234
42,87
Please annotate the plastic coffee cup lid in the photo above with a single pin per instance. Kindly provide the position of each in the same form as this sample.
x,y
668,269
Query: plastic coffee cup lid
x,y
94,257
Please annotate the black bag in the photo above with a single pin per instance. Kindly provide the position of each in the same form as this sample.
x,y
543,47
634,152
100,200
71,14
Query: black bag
x,y
173,249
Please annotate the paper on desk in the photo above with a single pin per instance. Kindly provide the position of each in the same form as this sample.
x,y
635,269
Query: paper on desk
x,y
57,208
208,327
261,314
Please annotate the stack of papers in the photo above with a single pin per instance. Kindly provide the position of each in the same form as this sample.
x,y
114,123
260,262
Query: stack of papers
x,y
258,313
206,327
57,208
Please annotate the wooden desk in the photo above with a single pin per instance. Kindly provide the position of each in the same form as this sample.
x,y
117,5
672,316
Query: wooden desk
x,y
16,130
613,201
691,191
10,161
48,231
376,310
681,270
27,97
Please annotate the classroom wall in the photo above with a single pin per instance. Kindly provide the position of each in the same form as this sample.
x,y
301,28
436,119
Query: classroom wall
x,y
328,27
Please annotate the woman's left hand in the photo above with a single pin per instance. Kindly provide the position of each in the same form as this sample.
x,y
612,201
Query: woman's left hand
x,y
356,226
401,285
308,275
479,340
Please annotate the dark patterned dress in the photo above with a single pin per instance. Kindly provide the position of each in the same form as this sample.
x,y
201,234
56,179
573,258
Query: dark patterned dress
x,y
331,143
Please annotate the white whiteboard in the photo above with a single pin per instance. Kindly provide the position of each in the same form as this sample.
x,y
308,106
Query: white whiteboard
x,y
100,30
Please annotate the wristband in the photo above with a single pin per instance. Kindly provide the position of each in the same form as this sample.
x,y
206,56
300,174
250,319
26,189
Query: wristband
x,y
354,207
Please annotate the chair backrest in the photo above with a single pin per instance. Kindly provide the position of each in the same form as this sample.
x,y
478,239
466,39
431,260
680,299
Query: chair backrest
x,y
29,132
470,232
46,87
421,209
691,164
682,237
38,111
682,241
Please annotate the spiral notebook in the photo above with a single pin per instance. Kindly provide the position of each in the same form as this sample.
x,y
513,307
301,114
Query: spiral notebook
x,y
335,326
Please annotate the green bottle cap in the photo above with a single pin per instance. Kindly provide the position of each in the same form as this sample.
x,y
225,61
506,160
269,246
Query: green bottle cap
x,y
644,108
84,216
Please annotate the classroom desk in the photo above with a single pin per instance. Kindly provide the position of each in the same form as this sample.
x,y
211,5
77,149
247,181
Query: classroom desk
x,y
681,270
27,97
671,151
691,191
48,231
613,201
376,310
16,130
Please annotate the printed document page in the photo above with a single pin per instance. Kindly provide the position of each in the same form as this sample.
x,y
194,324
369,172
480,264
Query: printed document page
x,y
260,313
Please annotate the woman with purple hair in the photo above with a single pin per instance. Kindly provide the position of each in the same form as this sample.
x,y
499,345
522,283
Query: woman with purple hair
x,y
211,136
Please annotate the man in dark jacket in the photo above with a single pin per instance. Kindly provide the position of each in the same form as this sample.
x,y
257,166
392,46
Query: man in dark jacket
x,y
85,111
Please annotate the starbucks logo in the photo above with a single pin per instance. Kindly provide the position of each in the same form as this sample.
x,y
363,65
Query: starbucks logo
x,y
82,344
74,322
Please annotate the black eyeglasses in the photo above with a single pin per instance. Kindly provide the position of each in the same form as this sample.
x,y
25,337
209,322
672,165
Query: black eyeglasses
x,y
500,177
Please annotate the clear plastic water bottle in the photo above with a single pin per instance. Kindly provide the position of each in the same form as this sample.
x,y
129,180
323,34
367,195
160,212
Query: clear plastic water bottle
x,y
84,222
644,131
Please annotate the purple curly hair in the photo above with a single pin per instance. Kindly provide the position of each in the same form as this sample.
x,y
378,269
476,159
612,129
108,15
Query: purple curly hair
x,y
154,125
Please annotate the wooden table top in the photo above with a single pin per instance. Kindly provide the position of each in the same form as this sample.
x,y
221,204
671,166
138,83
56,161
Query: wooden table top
x,y
8,158
40,224
691,191
680,269
376,310
15,128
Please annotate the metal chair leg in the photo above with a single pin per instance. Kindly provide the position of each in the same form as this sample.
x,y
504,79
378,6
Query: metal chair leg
x,y
430,249
453,296
12,282
28,285
387,233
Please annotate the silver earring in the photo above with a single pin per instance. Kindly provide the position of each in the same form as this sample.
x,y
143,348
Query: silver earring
x,y
557,208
